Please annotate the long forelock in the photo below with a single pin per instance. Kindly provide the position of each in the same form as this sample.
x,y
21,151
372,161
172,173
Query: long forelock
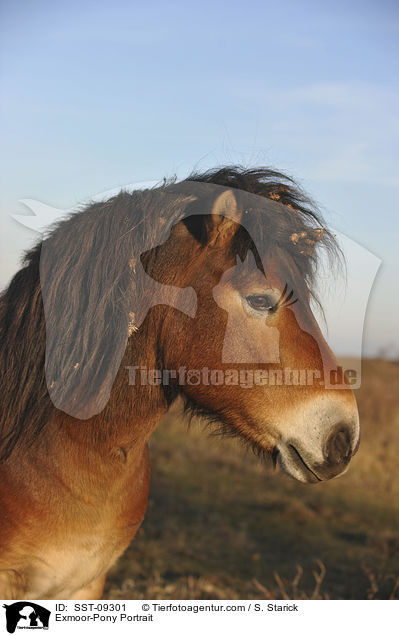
x,y
297,213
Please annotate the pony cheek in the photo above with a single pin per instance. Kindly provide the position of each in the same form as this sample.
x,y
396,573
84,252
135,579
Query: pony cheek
x,y
300,344
250,341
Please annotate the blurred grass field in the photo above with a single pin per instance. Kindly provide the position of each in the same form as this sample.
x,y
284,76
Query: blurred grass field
x,y
221,524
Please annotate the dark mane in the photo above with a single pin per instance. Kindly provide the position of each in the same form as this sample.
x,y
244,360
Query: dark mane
x,y
106,230
298,213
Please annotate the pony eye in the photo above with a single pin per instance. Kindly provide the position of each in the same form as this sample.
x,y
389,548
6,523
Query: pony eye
x,y
260,302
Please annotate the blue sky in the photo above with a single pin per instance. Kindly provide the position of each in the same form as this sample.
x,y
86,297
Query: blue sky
x,y
97,95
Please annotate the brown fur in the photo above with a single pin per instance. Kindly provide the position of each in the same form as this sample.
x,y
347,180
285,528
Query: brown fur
x,y
73,493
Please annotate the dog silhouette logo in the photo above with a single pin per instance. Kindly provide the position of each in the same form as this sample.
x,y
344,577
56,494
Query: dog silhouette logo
x,y
26,615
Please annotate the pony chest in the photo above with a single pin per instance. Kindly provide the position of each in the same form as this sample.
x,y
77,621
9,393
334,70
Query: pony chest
x,y
61,571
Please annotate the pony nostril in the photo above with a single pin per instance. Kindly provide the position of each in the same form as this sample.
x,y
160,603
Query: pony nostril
x,y
338,447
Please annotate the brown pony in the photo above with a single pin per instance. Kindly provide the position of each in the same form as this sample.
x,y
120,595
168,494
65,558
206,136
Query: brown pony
x,y
203,289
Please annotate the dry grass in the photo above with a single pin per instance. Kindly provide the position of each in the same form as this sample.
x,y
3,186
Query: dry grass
x,y
222,525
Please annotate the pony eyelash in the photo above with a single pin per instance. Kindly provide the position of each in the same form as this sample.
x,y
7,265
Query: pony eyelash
x,y
286,299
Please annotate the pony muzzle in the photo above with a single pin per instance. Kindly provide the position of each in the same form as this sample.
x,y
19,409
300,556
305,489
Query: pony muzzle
x,y
319,440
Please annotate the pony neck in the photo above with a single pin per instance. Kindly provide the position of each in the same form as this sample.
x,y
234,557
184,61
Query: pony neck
x,y
134,409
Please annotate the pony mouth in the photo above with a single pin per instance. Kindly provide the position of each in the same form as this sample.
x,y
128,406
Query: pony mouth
x,y
292,462
301,462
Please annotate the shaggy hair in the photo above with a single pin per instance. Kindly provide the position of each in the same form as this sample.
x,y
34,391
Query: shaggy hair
x,y
79,283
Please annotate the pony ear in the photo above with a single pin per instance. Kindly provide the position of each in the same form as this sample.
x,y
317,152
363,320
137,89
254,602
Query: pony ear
x,y
222,223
